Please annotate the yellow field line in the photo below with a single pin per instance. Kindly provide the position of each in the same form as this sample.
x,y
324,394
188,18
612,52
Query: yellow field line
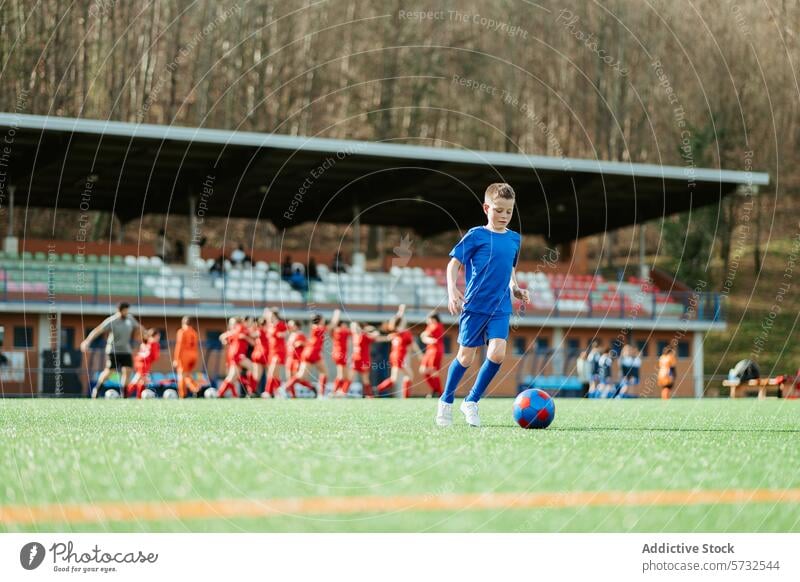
x,y
246,508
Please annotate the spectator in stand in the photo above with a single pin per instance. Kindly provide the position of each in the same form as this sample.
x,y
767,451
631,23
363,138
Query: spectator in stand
x,y
179,256
338,265
238,256
311,271
163,246
286,268
218,268
298,281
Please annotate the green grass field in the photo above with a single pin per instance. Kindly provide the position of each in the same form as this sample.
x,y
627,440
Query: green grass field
x,y
122,452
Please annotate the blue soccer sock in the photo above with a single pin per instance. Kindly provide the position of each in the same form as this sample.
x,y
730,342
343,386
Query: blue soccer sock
x,y
485,375
454,374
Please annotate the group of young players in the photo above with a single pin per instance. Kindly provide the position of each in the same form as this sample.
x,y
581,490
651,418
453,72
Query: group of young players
x,y
279,352
595,366
185,358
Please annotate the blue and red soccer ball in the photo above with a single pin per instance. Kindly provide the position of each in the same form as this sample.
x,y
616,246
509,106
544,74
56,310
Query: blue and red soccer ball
x,y
534,408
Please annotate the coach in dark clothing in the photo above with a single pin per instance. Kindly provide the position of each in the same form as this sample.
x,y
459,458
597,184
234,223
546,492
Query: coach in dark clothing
x,y
122,328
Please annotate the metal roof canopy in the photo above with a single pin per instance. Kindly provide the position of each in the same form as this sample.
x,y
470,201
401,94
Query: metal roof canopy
x,y
135,169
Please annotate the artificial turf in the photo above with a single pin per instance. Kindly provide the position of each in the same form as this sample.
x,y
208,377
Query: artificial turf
x,y
77,451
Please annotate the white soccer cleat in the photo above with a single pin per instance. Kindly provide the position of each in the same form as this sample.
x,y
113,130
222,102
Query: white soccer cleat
x,y
470,410
444,414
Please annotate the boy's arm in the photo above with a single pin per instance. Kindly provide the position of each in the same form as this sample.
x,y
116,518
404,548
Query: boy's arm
x,y
516,290
455,298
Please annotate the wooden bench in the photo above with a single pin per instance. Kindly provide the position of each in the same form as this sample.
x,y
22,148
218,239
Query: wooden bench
x,y
784,386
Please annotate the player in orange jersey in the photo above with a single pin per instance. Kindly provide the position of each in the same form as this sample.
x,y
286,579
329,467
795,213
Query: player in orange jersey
x,y
238,340
431,362
401,339
312,355
143,362
277,349
185,357
363,338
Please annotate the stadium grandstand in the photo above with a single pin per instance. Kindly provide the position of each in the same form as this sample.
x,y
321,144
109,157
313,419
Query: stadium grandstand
x,y
59,289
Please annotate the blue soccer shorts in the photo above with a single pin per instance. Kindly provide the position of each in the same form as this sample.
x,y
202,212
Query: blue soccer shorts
x,y
476,329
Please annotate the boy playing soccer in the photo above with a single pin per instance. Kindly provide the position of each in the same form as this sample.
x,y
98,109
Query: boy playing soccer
x,y
490,255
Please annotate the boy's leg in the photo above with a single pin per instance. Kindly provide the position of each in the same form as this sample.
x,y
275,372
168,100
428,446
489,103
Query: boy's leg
x,y
100,380
390,381
407,376
124,374
322,372
496,334
494,359
471,334
229,383
346,381
456,371
366,387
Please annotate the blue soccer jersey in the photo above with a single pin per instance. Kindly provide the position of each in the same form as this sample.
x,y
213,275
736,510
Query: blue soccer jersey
x,y
489,258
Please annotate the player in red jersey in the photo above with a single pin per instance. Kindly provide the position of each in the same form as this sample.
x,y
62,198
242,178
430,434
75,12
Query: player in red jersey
x,y
401,339
238,340
143,362
312,355
363,338
431,362
340,334
261,353
277,349
296,344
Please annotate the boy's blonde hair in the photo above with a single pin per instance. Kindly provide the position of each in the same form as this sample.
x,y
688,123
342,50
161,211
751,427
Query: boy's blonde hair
x,y
499,190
